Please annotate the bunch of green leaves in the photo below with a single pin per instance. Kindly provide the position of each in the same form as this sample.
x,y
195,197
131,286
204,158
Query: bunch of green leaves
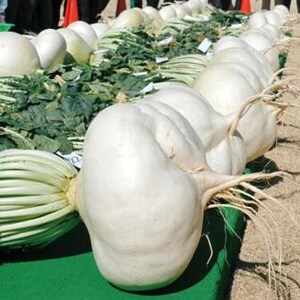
x,y
227,18
52,110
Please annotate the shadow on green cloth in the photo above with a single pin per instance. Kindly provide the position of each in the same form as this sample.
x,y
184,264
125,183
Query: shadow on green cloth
x,y
76,241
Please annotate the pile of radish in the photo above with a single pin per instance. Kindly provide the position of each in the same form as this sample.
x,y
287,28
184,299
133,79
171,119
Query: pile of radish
x,y
150,167
78,41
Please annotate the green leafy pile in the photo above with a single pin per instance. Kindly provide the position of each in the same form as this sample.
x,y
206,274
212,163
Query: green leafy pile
x,y
46,110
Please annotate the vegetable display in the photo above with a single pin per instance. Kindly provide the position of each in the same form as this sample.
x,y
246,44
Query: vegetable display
x,y
145,240
161,141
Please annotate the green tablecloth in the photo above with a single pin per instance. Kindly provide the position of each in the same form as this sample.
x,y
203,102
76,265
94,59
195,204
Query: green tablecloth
x,y
5,26
66,269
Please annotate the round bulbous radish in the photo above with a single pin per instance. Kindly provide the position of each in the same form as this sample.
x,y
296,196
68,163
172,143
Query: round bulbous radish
x,y
53,55
154,15
248,57
282,11
77,49
18,55
248,73
136,243
180,144
180,10
125,189
257,20
228,42
100,28
228,95
209,125
229,156
250,35
235,43
203,5
152,12
167,12
260,118
260,41
273,18
224,153
128,18
187,8
272,31
145,16
194,6
86,31
223,87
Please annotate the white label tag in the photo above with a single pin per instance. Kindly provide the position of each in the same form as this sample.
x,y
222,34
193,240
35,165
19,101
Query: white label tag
x,y
236,26
137,74
73,158
204,46
148,88
189,18
101,51
209,54
166,41
161,59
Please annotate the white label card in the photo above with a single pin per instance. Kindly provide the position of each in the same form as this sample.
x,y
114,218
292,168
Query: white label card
x,y
73,158
137,74
161,59
166,41
236,26
204,46
148,88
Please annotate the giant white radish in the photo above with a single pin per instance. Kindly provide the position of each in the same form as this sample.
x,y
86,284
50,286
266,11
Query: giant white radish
x,y
14,62
77,48
225,153
50,56
228,95
125,190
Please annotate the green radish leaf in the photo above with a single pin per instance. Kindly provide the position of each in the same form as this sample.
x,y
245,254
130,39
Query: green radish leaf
x,y
42,142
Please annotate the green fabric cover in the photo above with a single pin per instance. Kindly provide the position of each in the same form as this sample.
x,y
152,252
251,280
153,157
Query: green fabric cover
x,y
5,26
66,269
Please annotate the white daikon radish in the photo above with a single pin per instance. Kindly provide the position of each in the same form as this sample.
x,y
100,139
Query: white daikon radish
x,y
249,57
77,48
51,47
229,92
86,31
18,55
257,20
211,127
129,18
144,207
168,12
263,43
100,28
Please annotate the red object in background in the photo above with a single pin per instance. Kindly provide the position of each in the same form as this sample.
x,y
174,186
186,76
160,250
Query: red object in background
x,y
121,5
246,7
71,12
